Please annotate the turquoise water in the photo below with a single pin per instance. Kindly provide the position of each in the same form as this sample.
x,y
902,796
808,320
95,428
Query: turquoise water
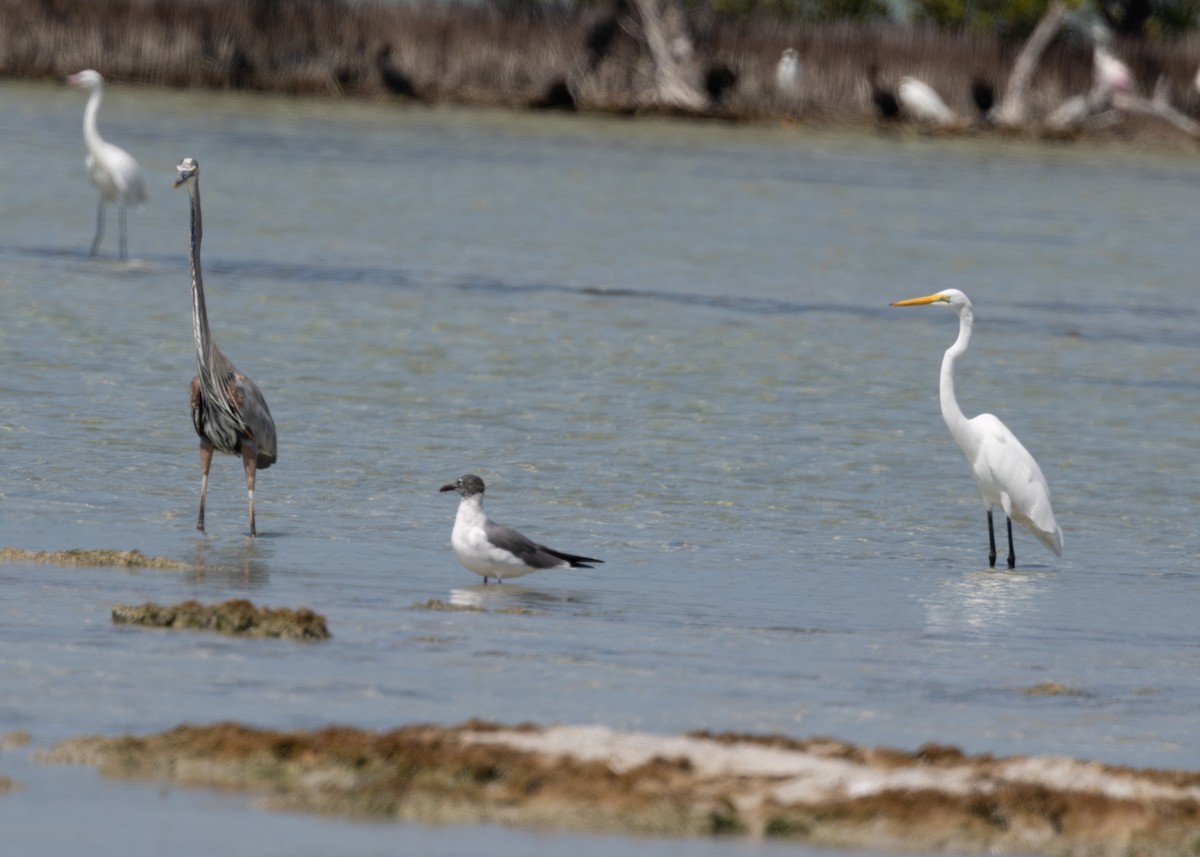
x,y
667,345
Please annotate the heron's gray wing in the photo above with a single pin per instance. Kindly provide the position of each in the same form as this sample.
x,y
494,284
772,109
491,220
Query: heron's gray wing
x,y
528,552
253,411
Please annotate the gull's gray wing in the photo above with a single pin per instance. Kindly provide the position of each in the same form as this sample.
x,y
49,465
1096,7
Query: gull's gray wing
x,y
529,552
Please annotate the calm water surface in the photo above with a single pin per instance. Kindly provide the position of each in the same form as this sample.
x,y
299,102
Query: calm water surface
x,y
667,345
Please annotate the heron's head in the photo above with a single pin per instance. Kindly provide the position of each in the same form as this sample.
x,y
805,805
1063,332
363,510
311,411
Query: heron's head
x,y
87,79
951,297
188,170
468,485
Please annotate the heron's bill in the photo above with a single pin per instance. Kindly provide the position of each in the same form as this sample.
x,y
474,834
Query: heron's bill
x,y
928,299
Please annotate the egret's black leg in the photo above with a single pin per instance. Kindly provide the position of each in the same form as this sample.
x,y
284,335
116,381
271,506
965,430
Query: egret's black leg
x,y
121,217
991,542
1012,554
99,227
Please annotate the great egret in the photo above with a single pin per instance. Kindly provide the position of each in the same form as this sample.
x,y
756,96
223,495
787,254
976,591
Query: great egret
x,y
923,104
228,411
494,550
1109,72
112,170
1006,473
787,73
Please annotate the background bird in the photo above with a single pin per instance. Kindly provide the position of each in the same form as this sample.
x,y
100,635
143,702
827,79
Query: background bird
x,y
1006,473
787,73
112,170
882,97
495,550
228,412
922,103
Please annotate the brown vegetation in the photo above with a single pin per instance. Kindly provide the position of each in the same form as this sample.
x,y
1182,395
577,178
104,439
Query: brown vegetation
x,y
474,53
98,557
594,779
236,616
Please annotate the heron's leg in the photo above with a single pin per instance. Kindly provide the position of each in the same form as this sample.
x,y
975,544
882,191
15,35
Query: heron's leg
x,y
250,463
99,227
121,219
206,451
991,542
1012,554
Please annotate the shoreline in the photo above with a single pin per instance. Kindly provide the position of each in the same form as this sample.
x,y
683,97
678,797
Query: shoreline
x,y
585,779
446,54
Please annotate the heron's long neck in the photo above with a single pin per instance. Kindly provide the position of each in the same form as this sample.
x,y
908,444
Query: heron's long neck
x,y
91,136
205,348
951,412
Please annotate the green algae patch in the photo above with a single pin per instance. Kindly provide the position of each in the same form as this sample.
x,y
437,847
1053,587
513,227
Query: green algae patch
x,y
1053,688
237,617
439,604
97,557
13,739
591,778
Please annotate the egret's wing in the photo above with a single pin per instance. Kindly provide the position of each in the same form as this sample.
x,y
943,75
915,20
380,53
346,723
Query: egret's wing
x,y
1016,474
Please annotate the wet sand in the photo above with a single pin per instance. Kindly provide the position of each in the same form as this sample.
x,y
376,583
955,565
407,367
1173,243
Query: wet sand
x,y
594,779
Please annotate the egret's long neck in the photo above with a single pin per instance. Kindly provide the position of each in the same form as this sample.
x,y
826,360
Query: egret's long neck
x,y
91,136
204,343
951,412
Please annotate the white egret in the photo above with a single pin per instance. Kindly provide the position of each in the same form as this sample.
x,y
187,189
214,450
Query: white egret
x,y
1109,72
1006,473
923,104
112,170
787,73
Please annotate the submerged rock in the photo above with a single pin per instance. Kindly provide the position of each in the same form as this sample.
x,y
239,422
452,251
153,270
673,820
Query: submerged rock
x,y
237,616
8,785
596,779
101,556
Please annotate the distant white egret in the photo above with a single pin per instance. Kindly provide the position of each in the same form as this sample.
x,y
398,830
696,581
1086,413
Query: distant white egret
x,y
1006,473
922,103
112,170
787,73
1109,72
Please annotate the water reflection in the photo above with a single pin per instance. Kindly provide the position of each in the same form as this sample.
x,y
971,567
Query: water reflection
x,y
506,596
984,600
242,566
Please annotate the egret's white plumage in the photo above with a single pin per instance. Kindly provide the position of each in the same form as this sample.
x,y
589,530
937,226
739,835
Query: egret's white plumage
x,y
787,72
1109,72
922,102
112,170
1007,475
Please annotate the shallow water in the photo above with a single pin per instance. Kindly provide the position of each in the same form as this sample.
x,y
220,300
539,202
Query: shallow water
x,y
664,344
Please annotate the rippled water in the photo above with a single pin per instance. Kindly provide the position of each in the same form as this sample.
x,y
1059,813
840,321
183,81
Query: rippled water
x,y
666,345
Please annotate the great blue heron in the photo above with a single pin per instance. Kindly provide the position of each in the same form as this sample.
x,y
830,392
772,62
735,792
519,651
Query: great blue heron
x,y
1007,475
228,411
495,550
112,170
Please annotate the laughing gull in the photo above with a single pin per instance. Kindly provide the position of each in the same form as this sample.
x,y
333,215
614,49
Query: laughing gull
x,y
494,550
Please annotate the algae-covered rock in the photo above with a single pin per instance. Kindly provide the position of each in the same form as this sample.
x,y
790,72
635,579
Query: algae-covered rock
x,y
237,616
591,778
98,557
